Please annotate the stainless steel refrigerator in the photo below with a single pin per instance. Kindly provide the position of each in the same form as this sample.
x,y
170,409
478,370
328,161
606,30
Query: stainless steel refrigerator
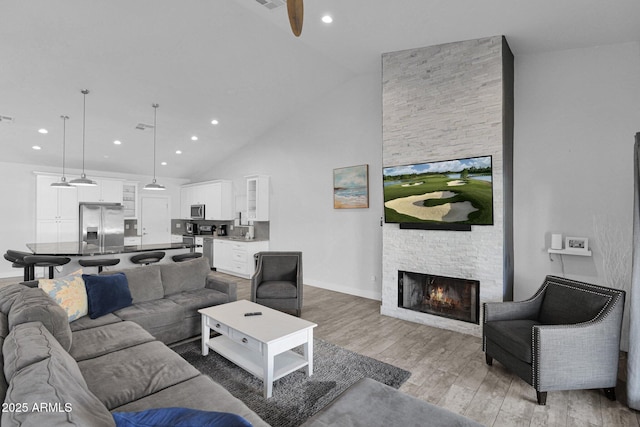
x,y
102,224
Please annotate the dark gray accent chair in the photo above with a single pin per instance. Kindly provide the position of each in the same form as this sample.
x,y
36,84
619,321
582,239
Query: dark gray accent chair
x,y
565,337
277,282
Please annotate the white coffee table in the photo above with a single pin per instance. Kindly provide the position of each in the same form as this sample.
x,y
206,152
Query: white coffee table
x,y
261,344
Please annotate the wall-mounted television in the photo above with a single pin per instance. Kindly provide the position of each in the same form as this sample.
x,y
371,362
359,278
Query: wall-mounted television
x,y
443,194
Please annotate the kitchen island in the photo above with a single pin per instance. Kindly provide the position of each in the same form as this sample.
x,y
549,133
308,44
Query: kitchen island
x,y
77,251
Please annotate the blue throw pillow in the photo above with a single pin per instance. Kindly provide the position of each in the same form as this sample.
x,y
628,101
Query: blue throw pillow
x,y
106,293
178,417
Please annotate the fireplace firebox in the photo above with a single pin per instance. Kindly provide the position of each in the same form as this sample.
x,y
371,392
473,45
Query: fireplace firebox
x,y
449,297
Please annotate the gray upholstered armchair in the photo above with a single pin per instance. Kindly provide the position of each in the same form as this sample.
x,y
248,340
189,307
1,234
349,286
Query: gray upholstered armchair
x,y
277,282
565,337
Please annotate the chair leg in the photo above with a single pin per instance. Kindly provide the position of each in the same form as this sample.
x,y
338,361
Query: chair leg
x,y
610,393
488,359
542,397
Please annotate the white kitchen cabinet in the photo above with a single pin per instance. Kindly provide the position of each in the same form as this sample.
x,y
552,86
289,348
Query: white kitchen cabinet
x,y
218,198
56,211
130,199
54,203
257,198
215,195
199,244
236,256
107,191
56,230
185,202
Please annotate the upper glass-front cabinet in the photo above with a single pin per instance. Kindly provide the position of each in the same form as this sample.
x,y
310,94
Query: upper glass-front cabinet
x,y
257,198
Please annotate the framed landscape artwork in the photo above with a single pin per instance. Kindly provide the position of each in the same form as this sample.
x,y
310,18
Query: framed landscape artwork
x,y
351,187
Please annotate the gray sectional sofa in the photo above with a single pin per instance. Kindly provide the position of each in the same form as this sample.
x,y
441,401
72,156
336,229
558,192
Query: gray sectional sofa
x,y
59,373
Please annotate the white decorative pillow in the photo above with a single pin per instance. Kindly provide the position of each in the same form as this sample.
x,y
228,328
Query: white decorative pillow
x,y
69,292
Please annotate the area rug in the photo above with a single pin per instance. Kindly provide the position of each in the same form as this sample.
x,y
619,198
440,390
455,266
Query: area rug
x,y
296,397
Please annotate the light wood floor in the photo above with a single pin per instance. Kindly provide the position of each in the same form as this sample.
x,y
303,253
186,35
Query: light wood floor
x,y
448,369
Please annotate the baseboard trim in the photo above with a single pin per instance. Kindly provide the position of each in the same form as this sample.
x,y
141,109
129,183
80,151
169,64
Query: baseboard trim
x,y
369,294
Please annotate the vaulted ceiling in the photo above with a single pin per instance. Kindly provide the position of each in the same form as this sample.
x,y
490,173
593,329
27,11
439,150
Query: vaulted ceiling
x,y
235,61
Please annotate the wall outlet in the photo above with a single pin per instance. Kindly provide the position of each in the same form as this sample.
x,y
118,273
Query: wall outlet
x,y
178,225
126,226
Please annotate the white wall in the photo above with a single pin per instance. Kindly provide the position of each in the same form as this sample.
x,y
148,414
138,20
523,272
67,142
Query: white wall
x,y
341,247
576,113
18,211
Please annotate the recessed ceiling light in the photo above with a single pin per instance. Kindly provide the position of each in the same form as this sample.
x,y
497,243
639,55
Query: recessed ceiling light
x,y
327,19
36,147
214,122
117,142
194,138
178,152
43,130
163,163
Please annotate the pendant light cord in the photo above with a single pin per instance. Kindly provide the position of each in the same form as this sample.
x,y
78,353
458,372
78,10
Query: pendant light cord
x,y
155,113
84,114
64,139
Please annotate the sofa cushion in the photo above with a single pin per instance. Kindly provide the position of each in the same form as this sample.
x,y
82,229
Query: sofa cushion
x,y
50,396
184,276
162,318
178,417
34,305
69,292
87,323
106,294
95,342
40,373
515,336
145,282
273,289
132,373
564,304
196,299
8,295
31,342
196,393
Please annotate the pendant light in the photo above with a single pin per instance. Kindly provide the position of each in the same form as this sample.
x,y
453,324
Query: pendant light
x,y
83,180
154,185
63,181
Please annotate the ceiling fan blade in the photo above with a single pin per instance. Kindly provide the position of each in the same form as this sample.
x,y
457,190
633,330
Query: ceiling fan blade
x,y
296,15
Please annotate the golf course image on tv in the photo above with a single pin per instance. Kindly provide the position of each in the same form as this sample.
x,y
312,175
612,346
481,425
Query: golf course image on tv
x,y
447,192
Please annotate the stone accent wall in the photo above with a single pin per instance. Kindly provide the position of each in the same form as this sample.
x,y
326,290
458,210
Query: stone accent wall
x,y
441,103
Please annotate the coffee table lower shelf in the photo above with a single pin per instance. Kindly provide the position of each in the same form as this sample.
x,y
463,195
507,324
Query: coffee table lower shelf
x,y
252,361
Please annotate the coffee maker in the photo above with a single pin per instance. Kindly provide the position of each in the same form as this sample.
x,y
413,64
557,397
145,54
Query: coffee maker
x,y
222,230
191,228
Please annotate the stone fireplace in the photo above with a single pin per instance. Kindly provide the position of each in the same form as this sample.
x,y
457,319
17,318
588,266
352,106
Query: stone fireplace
x,y
444,102
443,296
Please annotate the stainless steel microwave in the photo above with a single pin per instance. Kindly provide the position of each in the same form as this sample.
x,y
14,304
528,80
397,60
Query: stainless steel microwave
x,y
197,211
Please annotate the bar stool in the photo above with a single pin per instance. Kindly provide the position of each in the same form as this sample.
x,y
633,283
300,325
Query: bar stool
x,y
100,263
47,261
17,261
186,257
147,258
